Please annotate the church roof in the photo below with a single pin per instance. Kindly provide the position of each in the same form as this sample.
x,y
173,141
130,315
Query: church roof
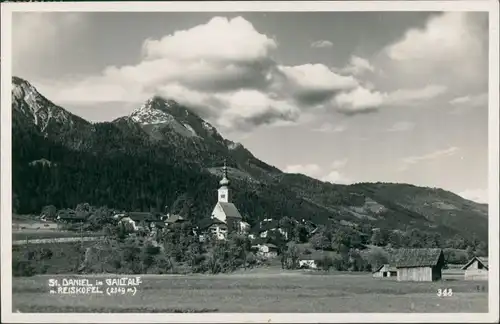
x,y
230,209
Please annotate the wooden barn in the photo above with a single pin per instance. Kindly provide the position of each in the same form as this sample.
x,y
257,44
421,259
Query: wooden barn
x,y
476,269
385,271
419,264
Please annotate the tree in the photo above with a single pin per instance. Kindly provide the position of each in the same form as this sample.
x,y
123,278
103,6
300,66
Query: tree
x,y
456,242
395,239
49,211
482,249
291,256
287,224
325,262
15,203
376,259
470,252
416,238
300,233
376,238
321,241
356,262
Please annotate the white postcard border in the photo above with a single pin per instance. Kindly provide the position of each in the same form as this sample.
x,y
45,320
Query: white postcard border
x,y
6,200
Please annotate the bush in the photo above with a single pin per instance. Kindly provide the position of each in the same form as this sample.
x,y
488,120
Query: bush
x,y
325,263
22,268
376,258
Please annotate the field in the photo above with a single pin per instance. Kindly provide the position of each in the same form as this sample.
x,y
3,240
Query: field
x,y
260,291
48,234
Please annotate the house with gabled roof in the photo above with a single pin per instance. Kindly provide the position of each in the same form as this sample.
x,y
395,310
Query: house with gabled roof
x,y
418,264
212,227
174,219
476,269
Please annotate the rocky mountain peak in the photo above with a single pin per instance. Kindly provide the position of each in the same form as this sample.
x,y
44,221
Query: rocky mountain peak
x,y
158,111
34,107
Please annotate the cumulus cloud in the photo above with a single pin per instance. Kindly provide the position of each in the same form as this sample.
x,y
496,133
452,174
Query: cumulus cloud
x,y
336,177
322,44
452,45
359,100
477,195
358,65
364,100
313,83
332,175
221,39
231,79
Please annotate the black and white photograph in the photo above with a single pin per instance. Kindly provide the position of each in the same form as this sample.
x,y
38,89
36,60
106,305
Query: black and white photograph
x,y
250,161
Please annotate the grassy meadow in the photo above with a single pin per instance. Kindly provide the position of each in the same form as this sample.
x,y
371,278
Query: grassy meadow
x,y
259,290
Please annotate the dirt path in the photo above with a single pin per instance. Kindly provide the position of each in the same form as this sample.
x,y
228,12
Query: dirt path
x,y
56,240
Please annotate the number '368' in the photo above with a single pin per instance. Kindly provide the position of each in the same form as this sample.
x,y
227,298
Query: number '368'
x,y
445,292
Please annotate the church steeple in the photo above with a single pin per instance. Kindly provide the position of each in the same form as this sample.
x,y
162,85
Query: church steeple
x,y
224,185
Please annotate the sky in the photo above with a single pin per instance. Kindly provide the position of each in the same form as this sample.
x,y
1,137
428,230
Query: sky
x,y
343,97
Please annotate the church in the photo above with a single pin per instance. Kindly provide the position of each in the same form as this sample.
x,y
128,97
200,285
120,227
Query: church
x,y
225,211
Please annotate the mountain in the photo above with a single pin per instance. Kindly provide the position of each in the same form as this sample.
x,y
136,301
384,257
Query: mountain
x,y
164,154
30,108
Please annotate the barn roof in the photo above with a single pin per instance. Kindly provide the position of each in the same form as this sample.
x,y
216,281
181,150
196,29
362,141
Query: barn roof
x,y
483,261
386,266
407,258
230,209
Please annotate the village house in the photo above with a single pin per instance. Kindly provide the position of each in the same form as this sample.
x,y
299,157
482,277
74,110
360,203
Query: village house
x,y
224,210
174,219
212,227
476,269
265,250
268,226
306,262
313,259
70,216
138,220
244,227
385,271
309,260
419,264
142,219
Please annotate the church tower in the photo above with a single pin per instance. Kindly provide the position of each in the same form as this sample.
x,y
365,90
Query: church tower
x,y
224,194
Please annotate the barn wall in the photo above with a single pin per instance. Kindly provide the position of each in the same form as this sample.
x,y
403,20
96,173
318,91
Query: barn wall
x,y
415,274
476,274
436,273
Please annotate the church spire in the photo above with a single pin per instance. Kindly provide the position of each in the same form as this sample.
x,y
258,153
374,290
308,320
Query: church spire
x,y
223,192
225,181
